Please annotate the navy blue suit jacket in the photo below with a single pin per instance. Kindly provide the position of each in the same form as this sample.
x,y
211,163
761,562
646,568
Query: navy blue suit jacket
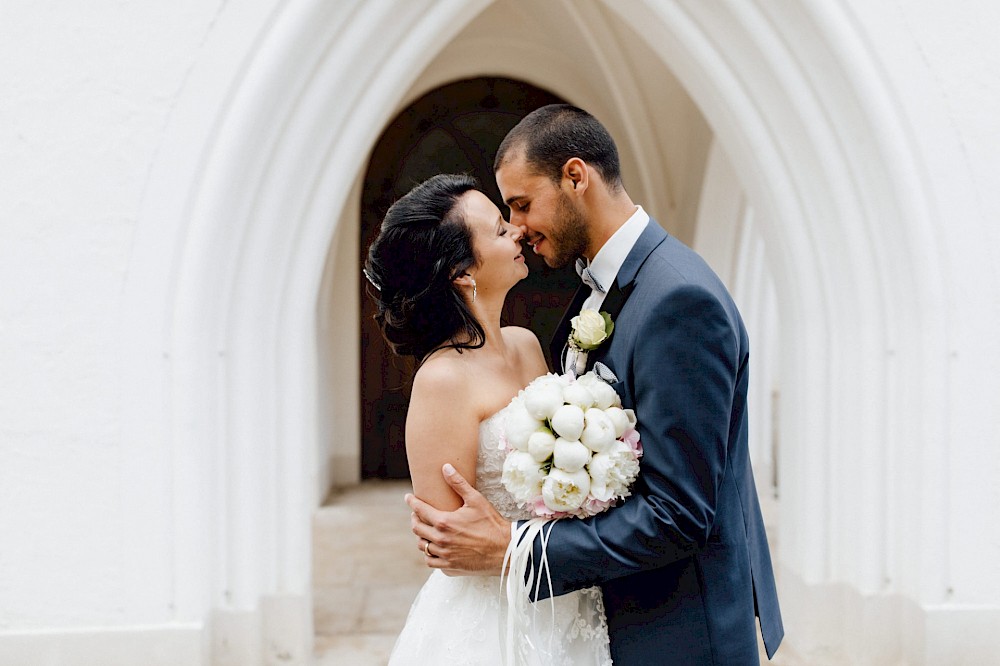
x,y
683,563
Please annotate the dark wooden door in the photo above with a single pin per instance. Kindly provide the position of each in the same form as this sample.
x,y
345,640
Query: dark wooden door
x,y
453,129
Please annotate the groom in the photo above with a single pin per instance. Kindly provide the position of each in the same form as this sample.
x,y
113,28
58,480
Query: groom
x,y
683,563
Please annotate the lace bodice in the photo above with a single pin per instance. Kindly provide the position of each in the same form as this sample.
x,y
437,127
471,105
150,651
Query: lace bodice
x,y
489,467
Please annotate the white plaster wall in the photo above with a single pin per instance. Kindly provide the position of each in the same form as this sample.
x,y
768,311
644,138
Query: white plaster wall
x,y
946,74
89,500
339,347
947,78
86,91
118,517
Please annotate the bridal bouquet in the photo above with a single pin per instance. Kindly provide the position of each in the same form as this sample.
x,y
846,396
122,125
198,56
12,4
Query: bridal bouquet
x,y
571,449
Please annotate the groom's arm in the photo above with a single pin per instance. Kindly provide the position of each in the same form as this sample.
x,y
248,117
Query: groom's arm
x,y
683,375
471,540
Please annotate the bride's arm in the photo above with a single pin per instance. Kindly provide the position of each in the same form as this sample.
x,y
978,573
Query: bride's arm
x,y
472,540
442,426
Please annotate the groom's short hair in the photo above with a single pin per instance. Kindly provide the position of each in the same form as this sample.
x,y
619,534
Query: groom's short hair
x,y
552,135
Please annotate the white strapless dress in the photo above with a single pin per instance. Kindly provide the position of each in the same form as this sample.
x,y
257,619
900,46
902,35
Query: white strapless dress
x,y
461,621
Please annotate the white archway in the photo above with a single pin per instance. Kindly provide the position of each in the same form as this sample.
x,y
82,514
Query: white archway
x,y
225,323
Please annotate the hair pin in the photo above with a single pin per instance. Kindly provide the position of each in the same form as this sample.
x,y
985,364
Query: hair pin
x,y
371,279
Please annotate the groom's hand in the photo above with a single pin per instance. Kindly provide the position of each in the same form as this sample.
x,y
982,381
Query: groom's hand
x,y
470,540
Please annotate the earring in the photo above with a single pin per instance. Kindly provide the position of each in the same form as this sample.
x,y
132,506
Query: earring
x,y
473,290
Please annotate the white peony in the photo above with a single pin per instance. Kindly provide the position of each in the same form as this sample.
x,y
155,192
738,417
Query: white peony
x,y
599,430
619,419
541,444
570,456
626,466
567,422
604,395
519,427
600,469
579,395
543,398
565,491
612,473
522,476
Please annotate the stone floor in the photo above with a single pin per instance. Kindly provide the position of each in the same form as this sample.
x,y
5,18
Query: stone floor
x,y
367,572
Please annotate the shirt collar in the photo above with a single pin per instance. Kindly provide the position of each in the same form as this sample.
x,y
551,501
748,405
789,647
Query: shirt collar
x,y
612,255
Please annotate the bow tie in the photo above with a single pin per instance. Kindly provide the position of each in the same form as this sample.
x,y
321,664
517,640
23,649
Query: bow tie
x,y
583,270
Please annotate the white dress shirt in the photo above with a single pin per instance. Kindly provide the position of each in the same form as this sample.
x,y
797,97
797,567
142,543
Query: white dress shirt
x,y
612,255
608,261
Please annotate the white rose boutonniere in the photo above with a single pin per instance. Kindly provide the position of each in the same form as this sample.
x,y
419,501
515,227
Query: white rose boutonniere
x,y
588,331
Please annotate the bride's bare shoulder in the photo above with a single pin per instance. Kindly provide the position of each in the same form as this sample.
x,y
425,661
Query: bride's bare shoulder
x,y
524,338
445,370
527,344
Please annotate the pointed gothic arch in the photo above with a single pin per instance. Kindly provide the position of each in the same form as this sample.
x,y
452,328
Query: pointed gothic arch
x,y
225,327
455,128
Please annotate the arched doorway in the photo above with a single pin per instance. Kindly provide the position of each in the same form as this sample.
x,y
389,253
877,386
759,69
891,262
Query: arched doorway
x,y
455,128
223,355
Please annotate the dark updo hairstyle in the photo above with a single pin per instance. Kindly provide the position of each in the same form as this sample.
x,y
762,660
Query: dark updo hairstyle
x,y
423,245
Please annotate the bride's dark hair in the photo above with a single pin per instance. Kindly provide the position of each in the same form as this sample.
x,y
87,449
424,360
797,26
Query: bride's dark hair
x,y
423,245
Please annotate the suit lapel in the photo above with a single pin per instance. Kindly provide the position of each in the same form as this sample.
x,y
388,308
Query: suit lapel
x,y
615,299
558,342
613,303
624,282
648,241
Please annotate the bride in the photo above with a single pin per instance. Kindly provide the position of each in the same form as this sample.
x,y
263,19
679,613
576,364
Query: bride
x,y
442,265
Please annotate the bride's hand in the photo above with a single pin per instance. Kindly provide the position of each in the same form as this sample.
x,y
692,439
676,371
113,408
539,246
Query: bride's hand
x,y
471,540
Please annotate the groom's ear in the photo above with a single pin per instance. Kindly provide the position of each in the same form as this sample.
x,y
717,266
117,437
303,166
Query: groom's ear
x,y
576,176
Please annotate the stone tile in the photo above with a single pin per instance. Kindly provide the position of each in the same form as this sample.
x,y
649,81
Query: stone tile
x,y
366,573
338,609
393,566
354,650
362,535
371,494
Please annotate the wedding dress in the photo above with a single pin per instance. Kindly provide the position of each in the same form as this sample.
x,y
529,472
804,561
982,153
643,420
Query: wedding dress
x,y
461,620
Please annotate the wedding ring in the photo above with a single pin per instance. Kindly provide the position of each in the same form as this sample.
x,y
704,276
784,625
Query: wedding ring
x,y
427,549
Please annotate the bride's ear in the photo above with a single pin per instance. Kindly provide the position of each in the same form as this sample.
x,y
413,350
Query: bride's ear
x,y
463,280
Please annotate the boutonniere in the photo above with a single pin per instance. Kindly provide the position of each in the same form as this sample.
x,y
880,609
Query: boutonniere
x,y
588,331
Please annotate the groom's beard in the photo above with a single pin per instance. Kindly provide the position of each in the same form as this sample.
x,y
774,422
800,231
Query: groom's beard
x,y
568,237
